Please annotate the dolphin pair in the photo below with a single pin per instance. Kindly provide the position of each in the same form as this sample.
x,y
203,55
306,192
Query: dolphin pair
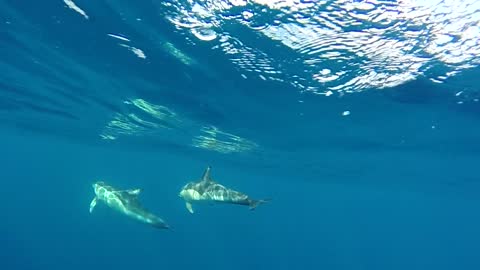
x,y
126,202
210,191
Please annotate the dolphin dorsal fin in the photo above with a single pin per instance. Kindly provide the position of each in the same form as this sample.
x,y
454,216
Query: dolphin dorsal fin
x,y
206,175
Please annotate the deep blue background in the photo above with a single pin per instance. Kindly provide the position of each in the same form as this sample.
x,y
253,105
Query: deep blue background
x,y
351,224
392,186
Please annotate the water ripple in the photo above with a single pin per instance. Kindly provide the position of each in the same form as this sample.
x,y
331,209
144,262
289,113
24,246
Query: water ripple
x,y
143,118
341,45
214,139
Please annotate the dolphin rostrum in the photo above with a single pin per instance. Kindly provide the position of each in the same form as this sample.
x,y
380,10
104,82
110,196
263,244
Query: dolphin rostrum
x,y
126,202
208,190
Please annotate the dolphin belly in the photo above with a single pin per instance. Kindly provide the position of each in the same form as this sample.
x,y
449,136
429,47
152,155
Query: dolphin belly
x,y
194,195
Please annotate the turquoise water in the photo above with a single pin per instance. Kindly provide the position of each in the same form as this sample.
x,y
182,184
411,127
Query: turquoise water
x,y
359,119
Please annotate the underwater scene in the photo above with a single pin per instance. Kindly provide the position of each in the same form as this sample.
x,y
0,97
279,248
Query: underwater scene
x,y
240,134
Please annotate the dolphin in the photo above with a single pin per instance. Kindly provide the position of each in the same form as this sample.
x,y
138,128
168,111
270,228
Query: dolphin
x,y
126,202
208,190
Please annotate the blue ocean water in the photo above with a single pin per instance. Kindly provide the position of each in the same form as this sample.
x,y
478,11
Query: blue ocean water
x,y
359,119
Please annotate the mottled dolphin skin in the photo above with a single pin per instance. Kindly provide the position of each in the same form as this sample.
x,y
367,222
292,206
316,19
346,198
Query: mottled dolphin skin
x,y
208,190
126,202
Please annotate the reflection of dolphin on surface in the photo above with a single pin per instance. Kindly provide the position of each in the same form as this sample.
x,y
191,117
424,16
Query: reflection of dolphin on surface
x,y
208,190
126,202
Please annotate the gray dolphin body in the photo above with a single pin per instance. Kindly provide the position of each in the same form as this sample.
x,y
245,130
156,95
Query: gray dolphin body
x,y
208,190
126,202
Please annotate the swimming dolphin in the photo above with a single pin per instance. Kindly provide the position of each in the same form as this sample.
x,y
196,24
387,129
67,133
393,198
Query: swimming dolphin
x,y
126,202
208,190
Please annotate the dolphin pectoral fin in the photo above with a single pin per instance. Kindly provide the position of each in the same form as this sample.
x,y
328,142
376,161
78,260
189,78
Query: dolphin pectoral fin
x,y
189,207
133,192
92,204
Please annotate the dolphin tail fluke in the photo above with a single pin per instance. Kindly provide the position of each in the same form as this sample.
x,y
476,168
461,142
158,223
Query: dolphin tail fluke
x,y
254,203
